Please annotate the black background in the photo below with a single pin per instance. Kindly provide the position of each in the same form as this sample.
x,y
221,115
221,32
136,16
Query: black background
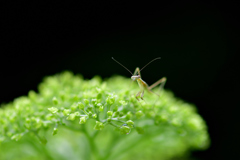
x,y
197,42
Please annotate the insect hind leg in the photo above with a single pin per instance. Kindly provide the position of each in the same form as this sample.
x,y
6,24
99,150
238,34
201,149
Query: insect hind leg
x,y
162,82
142,95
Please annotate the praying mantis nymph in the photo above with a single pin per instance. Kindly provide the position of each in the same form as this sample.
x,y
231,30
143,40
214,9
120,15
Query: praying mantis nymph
x,y
142,84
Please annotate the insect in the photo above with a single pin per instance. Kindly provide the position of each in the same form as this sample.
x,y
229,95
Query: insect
x,y
142,84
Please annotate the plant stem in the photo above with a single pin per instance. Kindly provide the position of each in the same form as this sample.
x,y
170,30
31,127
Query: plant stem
x,y
41,148
92,144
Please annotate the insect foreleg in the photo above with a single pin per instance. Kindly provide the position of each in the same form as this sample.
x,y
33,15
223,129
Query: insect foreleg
x,y
138,94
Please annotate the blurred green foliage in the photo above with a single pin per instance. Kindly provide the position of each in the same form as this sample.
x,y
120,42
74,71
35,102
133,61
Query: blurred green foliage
x,y
73,118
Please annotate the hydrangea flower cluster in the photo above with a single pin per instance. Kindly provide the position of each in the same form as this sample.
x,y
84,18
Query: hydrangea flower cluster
x,y
69,101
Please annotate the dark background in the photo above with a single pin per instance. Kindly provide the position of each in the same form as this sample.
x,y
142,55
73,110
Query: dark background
x,y
197,42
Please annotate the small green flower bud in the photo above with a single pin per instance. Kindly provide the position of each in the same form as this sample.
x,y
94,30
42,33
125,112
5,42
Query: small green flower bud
x,y
66,112
110,100
99,96
99,105
86,101
55,130
109,119
71,117
99,125
27,120
94,101
17,137
62,96
125,129
32,95
90,114
89,108
173,109
115,114
74,106
55,101
130,123
133,99
195,122
27,125
83,120
101,108
150,114
94,115
53,110
75,97
129,115
115,109
80,105
38,123
123,102
12,119
176,122
127,92
77,113
140,130
49,117
45,125
109,113
162,118
98,90
121,114
139,114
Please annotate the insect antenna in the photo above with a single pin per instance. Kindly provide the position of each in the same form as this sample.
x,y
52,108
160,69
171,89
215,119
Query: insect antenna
x,y
122,66
150,62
